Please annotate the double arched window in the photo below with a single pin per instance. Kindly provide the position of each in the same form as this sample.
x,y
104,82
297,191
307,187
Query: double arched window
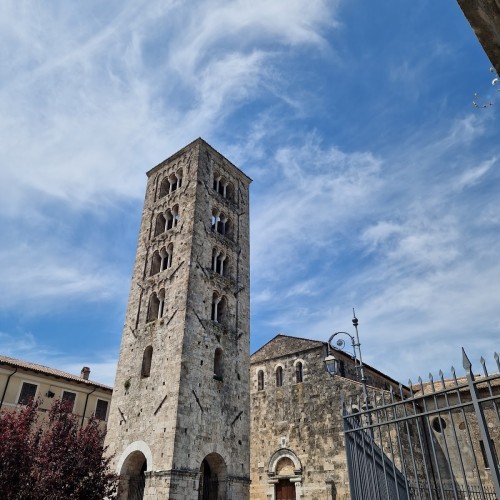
x,y
167,221
162,259
224,187
219,308
156,306
171,183
221,223
220,262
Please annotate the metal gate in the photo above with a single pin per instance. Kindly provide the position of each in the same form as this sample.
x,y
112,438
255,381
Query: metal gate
x,y
435,440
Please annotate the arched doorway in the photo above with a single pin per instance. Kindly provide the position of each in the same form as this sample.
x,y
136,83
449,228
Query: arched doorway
x,y
285,489
133,477
212,478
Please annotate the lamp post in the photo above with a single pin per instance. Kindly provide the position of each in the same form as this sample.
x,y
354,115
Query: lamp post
x,y
331,362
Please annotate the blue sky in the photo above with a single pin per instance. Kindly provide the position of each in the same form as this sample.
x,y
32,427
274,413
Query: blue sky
x,y
375,179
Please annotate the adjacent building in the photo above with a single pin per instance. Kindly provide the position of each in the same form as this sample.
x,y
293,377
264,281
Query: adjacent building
x,y
22,381
297,443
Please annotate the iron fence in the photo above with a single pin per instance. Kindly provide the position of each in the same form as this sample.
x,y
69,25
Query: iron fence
x,y
433,440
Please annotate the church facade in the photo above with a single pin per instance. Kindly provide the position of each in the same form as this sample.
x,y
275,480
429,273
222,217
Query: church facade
x,y
297,443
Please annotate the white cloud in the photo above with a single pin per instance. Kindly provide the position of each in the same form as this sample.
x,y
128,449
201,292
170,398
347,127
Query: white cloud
x,y
474,175
87,106
314,195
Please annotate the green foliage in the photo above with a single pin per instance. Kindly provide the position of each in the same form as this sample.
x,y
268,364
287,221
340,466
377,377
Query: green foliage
x,y
52,459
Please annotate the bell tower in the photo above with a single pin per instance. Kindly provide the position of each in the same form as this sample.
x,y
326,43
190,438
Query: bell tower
x,y
179,420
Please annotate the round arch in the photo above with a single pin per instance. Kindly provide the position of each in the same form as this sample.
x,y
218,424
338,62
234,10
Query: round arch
x,y
130,452
284,453
213,475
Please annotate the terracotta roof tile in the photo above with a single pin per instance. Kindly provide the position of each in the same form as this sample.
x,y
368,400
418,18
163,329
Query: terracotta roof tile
x,y
25,365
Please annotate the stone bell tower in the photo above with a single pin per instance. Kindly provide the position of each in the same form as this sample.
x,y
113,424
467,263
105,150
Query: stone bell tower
x,y
179,420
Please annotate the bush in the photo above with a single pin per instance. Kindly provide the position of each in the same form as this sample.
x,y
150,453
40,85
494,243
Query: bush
x,y
52,460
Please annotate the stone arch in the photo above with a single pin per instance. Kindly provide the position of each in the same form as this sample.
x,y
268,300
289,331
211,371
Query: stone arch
x,y
136,447
298,366
132,467
213,474
280,454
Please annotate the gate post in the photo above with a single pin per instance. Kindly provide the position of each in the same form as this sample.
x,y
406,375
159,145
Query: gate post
x,y
485,435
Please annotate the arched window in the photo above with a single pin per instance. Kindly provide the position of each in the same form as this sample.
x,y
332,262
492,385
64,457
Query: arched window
x,y
219,262
260,380
154,307
219,306
170,219
173,183
164,187
298,373
166,257
221,309
179,178
156,263
146,361
221,226
218,364
215,219
279,376
161,308
216,182
160,224
222,186
230,191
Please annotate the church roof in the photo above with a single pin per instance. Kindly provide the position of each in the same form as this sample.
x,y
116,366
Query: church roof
x,y
282,345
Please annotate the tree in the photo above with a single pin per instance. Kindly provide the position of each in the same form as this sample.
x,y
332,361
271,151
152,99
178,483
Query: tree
x,y
52,459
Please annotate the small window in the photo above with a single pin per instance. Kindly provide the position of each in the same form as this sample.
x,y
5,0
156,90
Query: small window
x,y
155,263
260,380
28,393
298,373
69,398
230,192
164,187
160,224
166,257
154,307
279,376
146,361
173,182
101,409
218,364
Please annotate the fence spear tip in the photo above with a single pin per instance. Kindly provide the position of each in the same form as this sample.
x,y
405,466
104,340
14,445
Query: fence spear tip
x,y
465,360
496,356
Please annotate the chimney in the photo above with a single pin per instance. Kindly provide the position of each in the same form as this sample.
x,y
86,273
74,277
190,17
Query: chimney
x,y
85,372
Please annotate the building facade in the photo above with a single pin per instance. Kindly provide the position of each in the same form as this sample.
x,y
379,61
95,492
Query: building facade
x,y
297,442
179,419
21,381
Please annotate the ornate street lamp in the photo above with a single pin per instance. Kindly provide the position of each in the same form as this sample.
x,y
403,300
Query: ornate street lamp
x,y
332,363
